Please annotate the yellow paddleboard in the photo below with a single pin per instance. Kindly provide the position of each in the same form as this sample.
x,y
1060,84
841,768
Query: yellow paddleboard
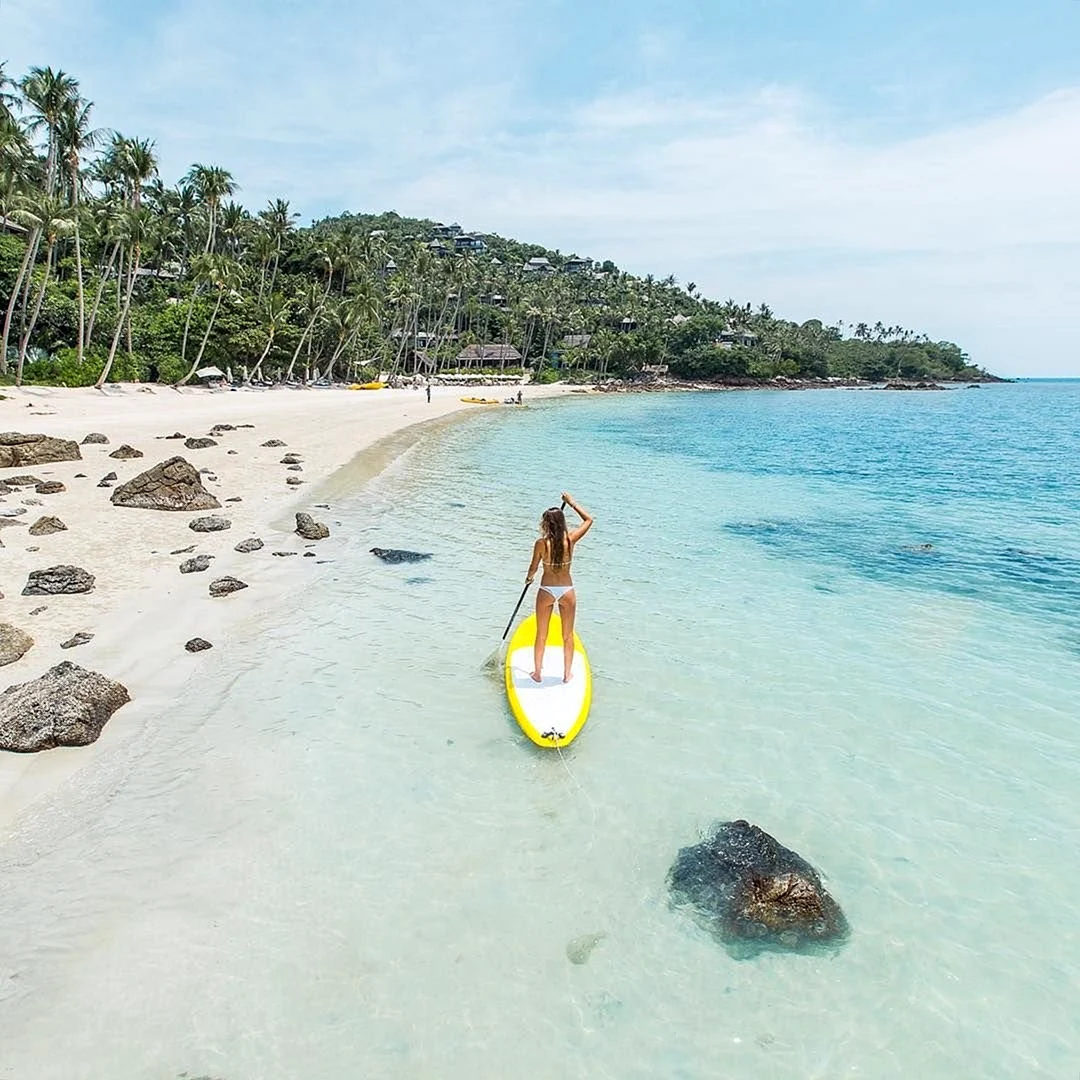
x,y
368,386
479,401
550,712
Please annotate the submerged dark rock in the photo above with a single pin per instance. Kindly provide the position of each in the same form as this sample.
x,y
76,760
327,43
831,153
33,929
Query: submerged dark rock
x,y
395,555
754,893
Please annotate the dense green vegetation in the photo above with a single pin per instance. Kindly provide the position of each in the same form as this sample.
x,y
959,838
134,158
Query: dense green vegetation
x,y
107,273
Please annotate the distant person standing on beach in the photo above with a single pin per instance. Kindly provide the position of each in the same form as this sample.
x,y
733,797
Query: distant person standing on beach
x,y
428,389
555,549
519,397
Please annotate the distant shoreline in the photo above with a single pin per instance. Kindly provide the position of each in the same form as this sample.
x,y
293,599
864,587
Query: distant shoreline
x,y
666,384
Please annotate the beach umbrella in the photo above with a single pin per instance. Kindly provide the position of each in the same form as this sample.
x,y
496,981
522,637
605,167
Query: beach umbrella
x,y
210,373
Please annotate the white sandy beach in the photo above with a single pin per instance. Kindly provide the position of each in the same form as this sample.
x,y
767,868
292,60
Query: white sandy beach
x,y
142,610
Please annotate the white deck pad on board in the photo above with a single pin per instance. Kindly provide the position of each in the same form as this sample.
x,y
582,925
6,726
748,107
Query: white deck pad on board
x,y
549,705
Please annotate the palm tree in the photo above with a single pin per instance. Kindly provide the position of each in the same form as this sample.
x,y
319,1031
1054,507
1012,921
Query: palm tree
x,y
136,225
49,94
212,184
223,274
77,137
274,313
52,219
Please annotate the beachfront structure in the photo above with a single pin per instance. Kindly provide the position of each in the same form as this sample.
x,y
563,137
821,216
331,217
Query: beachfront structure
x,y
488,355
578,266
538,264
577,341
468,243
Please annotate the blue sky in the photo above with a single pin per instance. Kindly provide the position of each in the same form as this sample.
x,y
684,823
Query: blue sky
x,y
901,160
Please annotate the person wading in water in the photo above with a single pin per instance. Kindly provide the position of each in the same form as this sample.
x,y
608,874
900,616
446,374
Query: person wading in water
x,y
555,550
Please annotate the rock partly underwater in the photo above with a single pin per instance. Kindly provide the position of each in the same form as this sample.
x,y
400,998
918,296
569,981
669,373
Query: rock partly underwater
x,y
754,893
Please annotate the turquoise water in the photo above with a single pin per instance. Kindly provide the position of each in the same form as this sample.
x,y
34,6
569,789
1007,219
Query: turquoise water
x,y
336,857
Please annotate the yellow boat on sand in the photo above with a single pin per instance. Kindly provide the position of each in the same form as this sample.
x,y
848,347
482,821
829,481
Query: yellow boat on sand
x,y
480,401
368,386
550,712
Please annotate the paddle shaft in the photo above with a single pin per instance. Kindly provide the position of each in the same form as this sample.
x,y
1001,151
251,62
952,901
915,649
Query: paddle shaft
x,y
521,598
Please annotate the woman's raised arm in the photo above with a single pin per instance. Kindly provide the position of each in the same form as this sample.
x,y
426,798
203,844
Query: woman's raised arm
x,y
586,518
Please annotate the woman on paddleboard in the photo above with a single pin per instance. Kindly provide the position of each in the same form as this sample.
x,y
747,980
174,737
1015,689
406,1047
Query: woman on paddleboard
x,y
555,549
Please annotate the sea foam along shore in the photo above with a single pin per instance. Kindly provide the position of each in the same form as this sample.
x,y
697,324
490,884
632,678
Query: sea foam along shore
x,y
142,609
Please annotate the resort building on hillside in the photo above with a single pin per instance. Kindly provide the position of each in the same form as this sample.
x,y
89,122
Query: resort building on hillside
x,y
577,341
468,243
437,247
730,338
447,232
493,300
578,266
538,264
488,355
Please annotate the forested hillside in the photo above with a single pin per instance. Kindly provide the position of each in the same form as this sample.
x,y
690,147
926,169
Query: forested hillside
x,y
108,272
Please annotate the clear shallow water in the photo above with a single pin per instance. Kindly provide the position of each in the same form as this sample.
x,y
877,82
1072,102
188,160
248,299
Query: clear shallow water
x,y
336,857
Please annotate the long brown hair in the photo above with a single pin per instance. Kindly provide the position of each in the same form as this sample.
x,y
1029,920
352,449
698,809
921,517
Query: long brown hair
x,y
554,526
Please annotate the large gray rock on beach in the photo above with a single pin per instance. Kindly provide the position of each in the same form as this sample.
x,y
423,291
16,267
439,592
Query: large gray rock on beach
x,y
196,565
14,643
57,580
210,523
95,437
274,442
67,706
17,450
50,487
754,893
396,555
46,525
310,529
224,585
246,546
23,480
198,644
172,485
81,638
199,444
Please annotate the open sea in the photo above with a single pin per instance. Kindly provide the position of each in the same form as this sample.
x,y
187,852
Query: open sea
x,y
337,857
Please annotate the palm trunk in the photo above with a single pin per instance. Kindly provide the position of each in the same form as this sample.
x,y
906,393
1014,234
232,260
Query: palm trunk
x,y
11,306
120,322
100,293
187,325
258,364
206,337
24,342
78,266
300,344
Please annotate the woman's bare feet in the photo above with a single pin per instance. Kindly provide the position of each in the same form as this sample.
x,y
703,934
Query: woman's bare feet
x,y
535,676
568,676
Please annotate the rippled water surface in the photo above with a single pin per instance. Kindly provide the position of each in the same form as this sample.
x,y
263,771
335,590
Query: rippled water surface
x,y
337,857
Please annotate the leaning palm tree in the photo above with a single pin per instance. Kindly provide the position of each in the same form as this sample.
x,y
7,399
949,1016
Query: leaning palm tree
x,y
274,313
52,219
223,275
136,227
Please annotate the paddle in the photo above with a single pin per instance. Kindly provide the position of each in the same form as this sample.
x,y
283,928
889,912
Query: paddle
x,y
493,659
